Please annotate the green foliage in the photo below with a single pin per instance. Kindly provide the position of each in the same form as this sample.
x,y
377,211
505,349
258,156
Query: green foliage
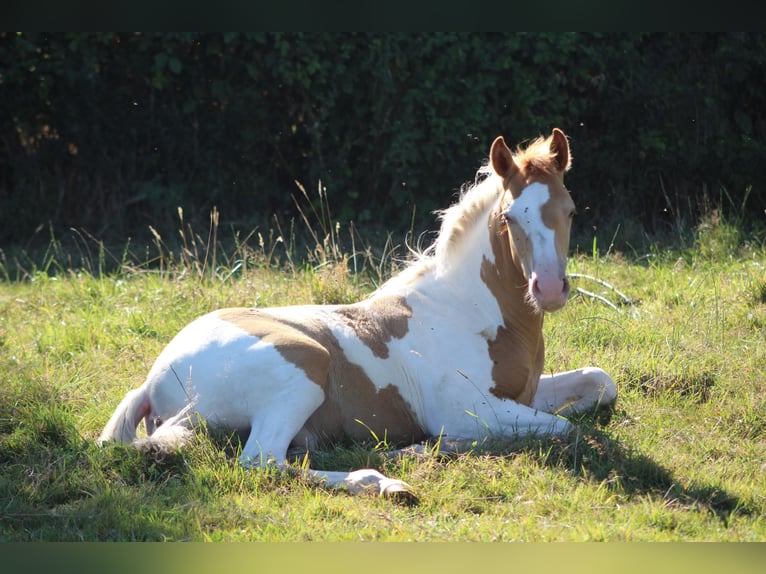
x,y
111,131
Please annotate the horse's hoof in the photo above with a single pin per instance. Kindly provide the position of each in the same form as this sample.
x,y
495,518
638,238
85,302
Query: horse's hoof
x,y
398,491
604,413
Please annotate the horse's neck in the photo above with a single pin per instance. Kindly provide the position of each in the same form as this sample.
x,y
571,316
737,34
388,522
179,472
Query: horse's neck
x,y
473,277
503,275
484,277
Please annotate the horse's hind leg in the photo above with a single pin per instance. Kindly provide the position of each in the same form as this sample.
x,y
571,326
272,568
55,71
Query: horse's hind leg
x,y
275,426
366,480
277,420
270,438
280,412
580,391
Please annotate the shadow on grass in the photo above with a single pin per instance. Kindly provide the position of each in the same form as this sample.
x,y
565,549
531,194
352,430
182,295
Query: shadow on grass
x,y
595,455
57,486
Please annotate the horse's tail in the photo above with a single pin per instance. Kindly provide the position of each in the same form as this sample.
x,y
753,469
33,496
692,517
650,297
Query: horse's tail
x,y
171,435
122,426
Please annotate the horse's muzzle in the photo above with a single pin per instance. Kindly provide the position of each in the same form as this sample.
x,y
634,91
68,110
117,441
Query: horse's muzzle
x,y
550,293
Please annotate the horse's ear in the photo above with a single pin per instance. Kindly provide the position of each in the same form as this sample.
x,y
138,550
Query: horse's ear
x,y
560,149
501,159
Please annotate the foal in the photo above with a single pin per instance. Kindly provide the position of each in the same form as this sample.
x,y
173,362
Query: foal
x,y
452,346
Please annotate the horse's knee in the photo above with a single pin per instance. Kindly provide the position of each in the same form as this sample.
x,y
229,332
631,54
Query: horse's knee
x,y
604,384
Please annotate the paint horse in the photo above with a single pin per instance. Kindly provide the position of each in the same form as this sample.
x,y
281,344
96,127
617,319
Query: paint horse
x,y
452,346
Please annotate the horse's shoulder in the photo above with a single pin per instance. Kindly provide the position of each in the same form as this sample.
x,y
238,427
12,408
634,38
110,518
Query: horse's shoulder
x,y
377,321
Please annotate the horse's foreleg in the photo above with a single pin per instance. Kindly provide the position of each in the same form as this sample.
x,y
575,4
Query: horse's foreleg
x,y
578,391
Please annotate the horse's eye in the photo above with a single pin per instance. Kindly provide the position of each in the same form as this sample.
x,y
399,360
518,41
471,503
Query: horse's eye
x,y
572,213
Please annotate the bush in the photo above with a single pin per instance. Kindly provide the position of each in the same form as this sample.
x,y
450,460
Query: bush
x,y
112,132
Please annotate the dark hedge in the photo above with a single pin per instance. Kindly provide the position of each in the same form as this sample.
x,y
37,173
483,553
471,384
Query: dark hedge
x,y
112,131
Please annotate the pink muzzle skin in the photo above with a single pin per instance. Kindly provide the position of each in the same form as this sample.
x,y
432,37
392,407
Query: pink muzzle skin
x,y
550,291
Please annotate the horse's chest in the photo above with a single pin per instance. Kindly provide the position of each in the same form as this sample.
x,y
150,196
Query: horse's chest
x,y
516,366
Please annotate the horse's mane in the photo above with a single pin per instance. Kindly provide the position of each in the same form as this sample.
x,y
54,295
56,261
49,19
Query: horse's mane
x,y
456,220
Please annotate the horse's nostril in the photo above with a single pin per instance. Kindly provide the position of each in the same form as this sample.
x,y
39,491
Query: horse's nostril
x,y
564,285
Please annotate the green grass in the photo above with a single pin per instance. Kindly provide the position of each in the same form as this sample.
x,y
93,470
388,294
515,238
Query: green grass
x,y
683,456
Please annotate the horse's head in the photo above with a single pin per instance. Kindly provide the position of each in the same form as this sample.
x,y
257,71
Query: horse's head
x,y
537,210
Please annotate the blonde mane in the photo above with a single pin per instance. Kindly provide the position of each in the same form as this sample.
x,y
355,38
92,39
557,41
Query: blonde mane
x,y
458,219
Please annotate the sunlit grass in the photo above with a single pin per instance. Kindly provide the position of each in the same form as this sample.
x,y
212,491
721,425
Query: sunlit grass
x,y
682,331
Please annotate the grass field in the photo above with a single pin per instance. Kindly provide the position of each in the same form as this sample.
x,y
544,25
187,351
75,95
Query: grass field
x,y
683,333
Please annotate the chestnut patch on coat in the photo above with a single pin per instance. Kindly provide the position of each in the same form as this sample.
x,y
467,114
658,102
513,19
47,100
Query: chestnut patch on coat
x,y
383,319
514,367
350,395
517,351
557,213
